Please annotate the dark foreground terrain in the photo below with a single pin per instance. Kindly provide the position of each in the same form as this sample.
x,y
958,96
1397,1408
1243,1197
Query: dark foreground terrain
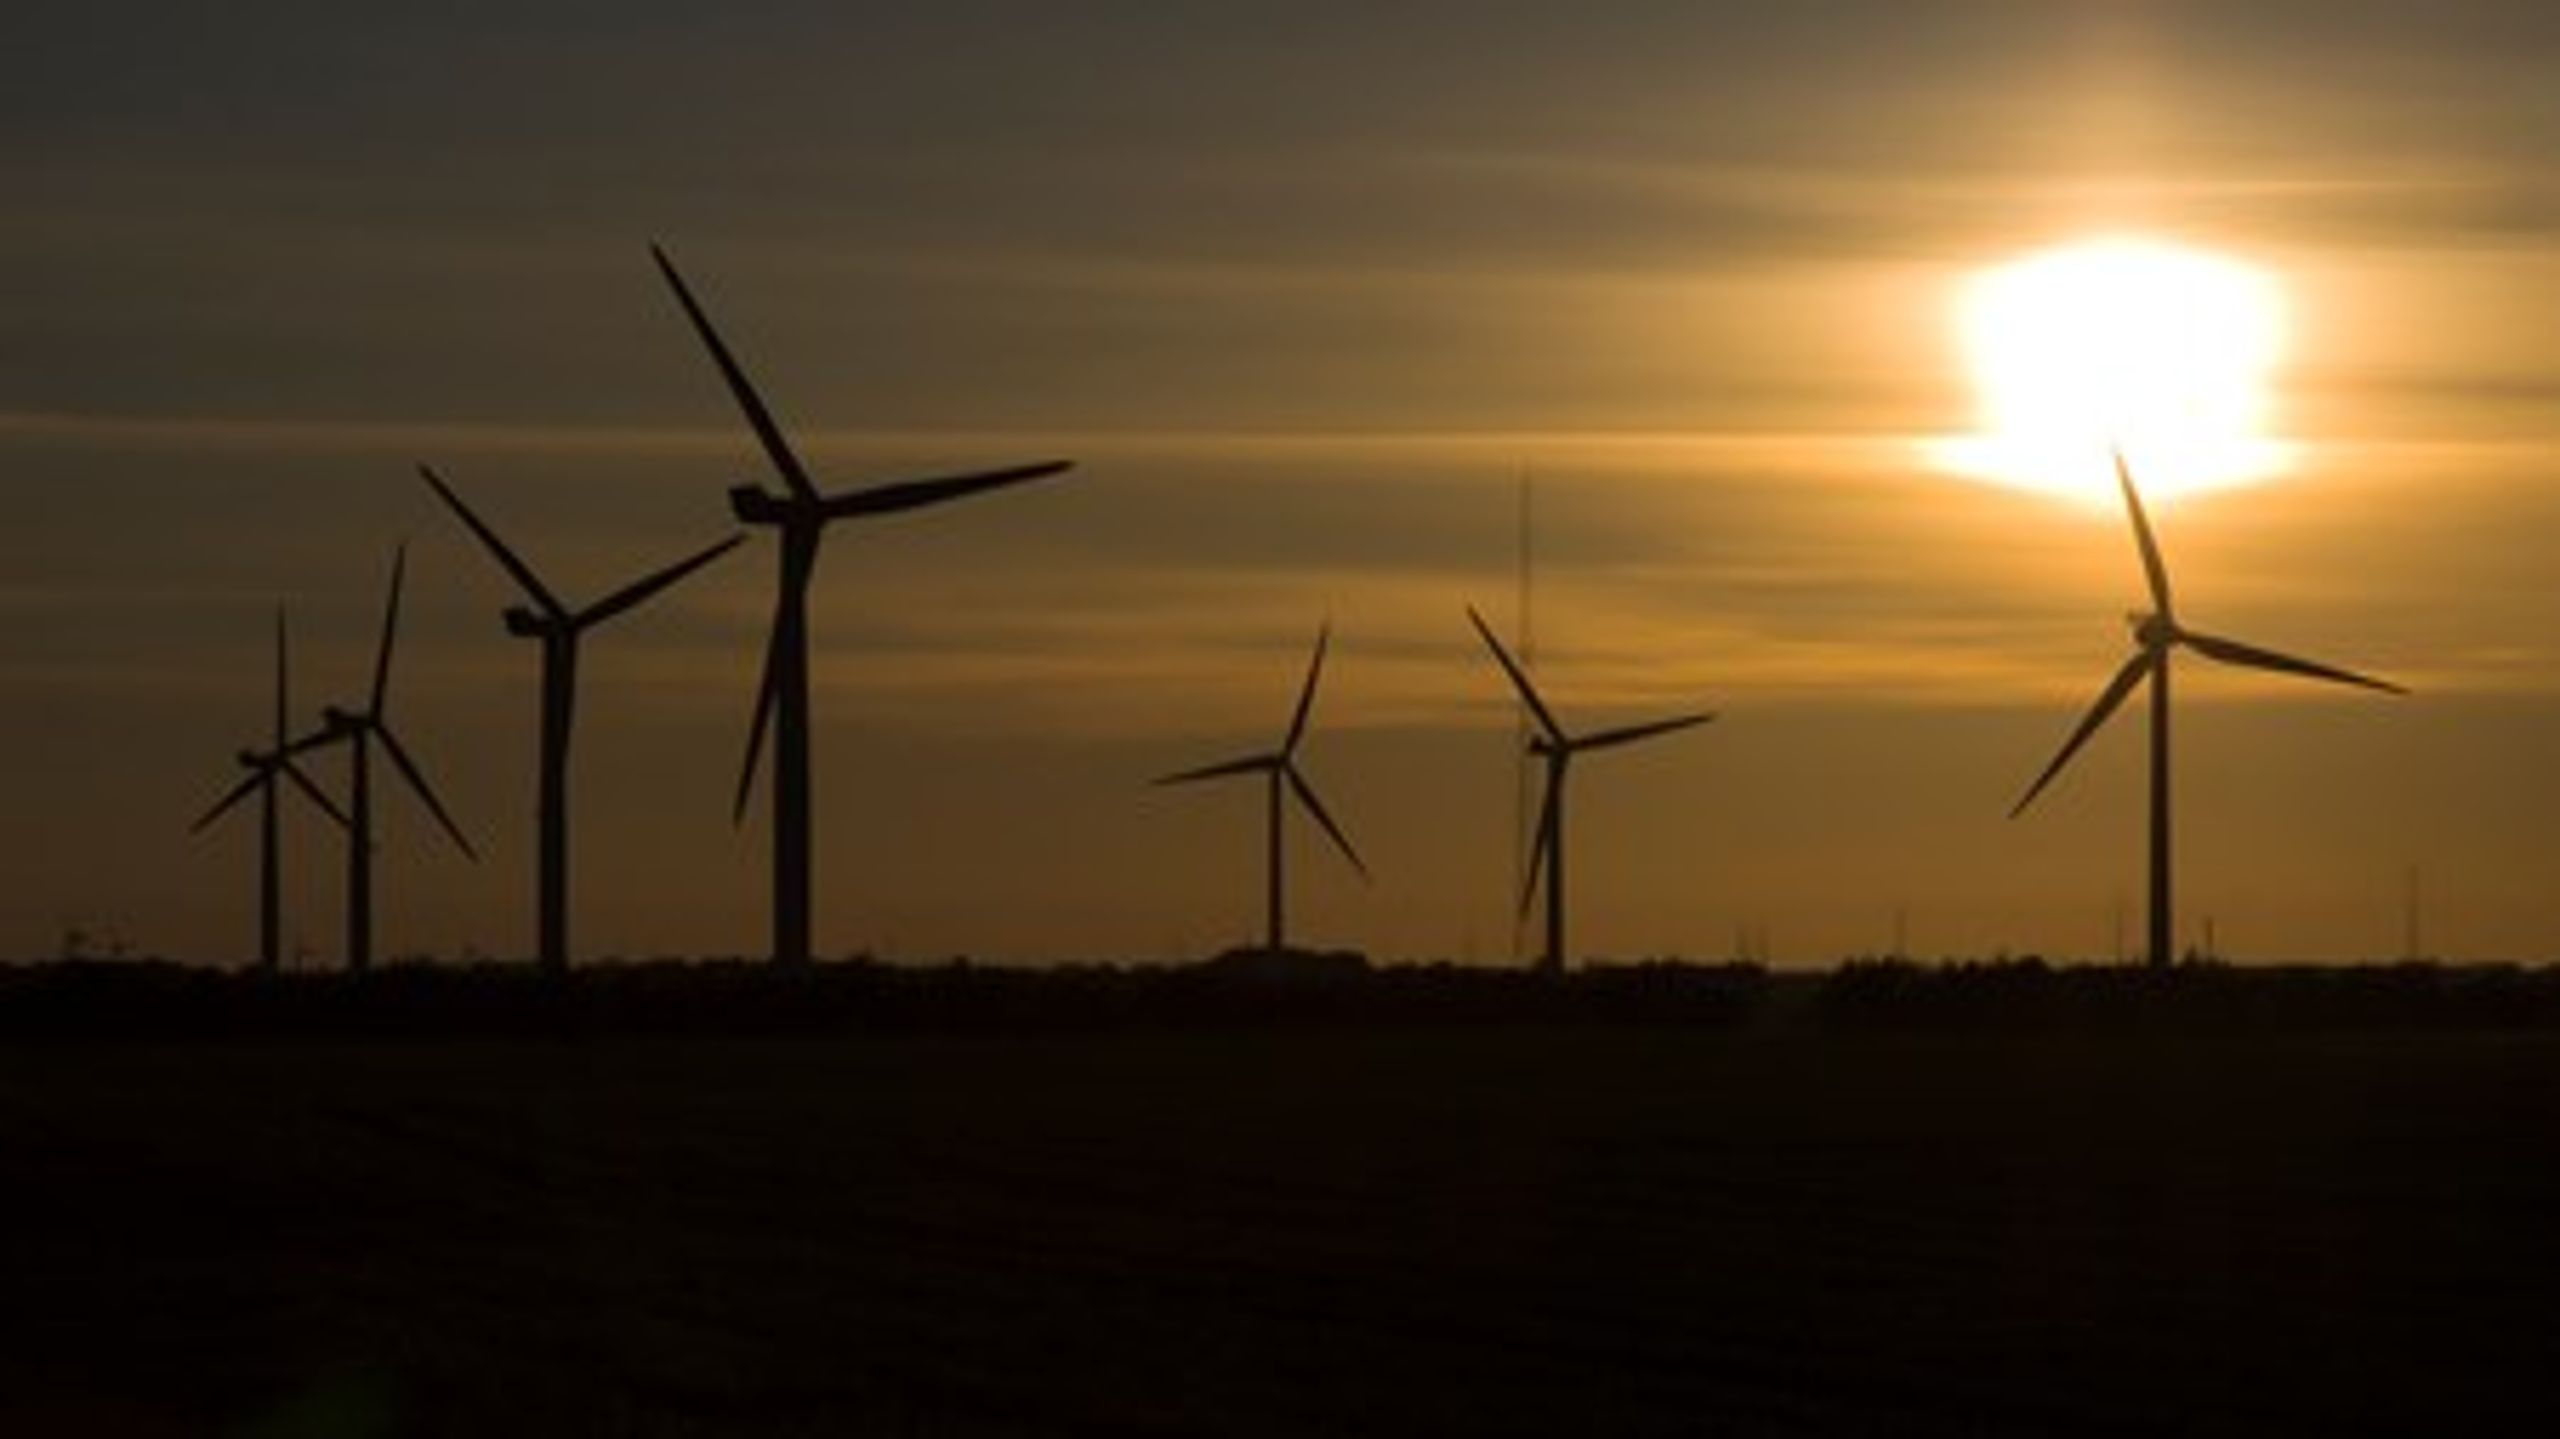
x,y
1399,1227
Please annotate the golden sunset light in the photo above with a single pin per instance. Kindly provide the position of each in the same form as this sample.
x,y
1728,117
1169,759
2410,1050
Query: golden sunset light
x,y
2165,352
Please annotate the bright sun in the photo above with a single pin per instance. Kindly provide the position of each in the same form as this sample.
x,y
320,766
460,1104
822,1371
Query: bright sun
x,y
2124,342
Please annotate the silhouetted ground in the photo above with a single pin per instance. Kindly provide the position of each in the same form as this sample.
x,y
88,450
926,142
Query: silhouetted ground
x,y
1245,989
1828,1207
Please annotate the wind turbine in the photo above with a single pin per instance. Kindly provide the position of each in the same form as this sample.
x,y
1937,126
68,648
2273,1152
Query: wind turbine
x,y
265,767
559,628
2156,633
799,516
1557,748
357,730
1280,767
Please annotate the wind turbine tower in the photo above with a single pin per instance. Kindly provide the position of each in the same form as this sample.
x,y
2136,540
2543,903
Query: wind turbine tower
x,y
2157,635
1279,769
798,516
265,767
559,628
1554,745
359,731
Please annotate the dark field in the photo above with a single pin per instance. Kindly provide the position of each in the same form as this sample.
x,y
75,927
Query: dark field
x,y
1563,1230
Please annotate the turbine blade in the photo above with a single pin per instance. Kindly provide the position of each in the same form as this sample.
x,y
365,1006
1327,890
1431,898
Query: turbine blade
x,y
320,738
390,632
508,559
1253,765
2133,673
1307,691
1538,847
230,797
1315,806
1629,734
1519,679
418,784
750,403
2153,568
914,494
2232,652
763,720
311,791
638,590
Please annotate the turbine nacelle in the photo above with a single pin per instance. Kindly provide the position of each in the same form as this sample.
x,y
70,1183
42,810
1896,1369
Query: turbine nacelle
x,y
525,622
756,505
2151,629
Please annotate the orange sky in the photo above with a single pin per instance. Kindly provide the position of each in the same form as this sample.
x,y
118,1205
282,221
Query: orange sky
x,y
1304,297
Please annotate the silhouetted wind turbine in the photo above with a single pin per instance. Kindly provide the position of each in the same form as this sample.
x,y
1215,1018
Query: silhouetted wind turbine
x,y
1280,767
559,628
358,729
2156,633
1557,748
265,767
799,516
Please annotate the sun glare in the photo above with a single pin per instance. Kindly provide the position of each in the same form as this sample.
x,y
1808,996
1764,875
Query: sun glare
x,y
2161,350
